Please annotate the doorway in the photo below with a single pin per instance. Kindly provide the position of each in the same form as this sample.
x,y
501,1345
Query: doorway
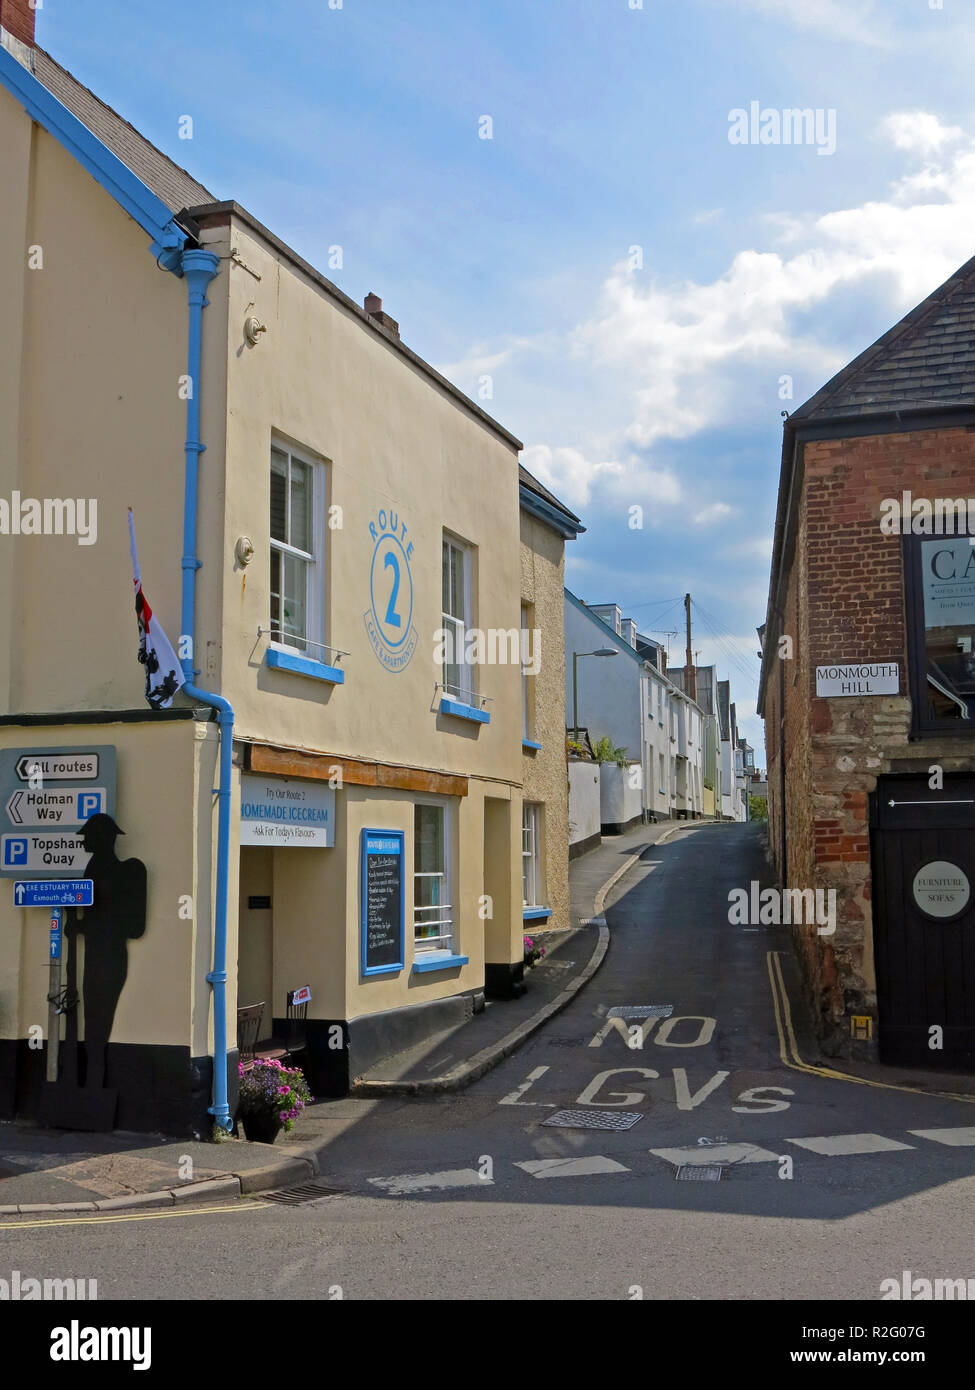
x,y
923,858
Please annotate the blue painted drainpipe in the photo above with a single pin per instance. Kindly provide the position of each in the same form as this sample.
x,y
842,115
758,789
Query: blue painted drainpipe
x,y
199,267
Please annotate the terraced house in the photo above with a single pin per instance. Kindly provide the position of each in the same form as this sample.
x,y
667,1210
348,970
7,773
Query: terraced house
x,y
327,817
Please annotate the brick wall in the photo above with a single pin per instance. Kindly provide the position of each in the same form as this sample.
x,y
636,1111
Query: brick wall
x,y
845,602
17,17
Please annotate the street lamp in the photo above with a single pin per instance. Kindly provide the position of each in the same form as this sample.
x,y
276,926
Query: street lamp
x,y
603,651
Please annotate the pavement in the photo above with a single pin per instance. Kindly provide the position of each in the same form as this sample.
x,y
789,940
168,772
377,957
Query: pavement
x,y
562,1172
60,1171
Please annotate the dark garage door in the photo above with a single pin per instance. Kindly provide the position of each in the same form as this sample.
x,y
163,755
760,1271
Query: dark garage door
x,y
923,852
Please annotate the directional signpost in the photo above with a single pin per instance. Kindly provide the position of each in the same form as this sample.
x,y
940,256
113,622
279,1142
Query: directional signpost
x,y
54,892
46,796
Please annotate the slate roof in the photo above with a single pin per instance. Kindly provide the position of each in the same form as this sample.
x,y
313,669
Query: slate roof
x,y
168,181
925,362
533,485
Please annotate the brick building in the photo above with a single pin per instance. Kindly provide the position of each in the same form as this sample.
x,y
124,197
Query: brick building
x,y
868,688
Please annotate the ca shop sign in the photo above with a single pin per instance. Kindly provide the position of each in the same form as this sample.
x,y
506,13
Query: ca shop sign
x,y
389,617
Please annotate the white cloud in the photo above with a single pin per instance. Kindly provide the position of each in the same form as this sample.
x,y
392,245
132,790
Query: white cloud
x,y
919,132
851,21
577,480
708,516
666,360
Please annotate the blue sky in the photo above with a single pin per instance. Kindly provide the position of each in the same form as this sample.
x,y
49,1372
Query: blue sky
x,y
653,385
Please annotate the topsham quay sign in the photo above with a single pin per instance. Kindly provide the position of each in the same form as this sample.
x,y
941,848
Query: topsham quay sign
x,y
858,678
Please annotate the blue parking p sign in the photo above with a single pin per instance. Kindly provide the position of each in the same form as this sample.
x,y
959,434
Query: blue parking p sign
x,y
14,851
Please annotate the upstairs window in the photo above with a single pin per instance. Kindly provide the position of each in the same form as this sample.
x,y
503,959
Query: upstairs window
x,y
458,674
527,680
297,559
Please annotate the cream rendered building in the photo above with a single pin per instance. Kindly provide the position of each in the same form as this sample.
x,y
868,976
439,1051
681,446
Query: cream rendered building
x,y
334,802
546,524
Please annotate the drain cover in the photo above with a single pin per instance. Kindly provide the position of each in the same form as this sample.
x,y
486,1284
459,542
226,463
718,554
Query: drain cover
x,y
592,921
593,1119
699,1172
297,1196
641,1011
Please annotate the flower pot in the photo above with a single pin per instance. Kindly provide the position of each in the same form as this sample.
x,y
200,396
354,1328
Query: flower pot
x,y
262,1127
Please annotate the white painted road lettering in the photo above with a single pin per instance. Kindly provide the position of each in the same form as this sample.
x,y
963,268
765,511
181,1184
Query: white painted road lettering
x,y
704,1035
686,1101
627,1098
755,1103
514,1098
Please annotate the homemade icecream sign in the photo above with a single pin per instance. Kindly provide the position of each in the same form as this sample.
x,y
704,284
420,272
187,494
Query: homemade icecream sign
x,y
280,811
941,889
389,617
382,904
859,678
46,795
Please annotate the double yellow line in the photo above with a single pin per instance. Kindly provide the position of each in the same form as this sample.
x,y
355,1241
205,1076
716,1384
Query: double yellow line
x,y
789,1048
131,1216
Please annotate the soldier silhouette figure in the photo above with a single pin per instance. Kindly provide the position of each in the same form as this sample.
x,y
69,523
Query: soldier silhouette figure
x,y
117,917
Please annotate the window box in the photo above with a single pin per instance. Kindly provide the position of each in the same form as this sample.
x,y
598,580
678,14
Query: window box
x,y
278,660
461,711
530,744
438,960
536,914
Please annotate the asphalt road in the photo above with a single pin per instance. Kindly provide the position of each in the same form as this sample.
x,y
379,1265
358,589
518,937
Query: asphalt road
x,y
826,1187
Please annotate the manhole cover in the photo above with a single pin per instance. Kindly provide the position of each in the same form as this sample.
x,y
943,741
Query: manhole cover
x,y
297,1196
593,1119
699,1172
641,1011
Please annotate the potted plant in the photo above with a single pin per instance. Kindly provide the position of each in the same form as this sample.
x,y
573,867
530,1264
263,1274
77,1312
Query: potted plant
x,y
272,1097
533,953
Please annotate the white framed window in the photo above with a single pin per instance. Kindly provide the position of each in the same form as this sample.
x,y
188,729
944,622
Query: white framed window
x,y
433,922
527,692
531,866
663,775
458,617
297,584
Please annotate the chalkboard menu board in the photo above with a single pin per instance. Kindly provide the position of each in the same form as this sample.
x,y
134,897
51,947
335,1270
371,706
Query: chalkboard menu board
x,y
381,915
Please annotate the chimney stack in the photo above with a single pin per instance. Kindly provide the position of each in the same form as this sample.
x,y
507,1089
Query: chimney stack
x,y
373,306
17,20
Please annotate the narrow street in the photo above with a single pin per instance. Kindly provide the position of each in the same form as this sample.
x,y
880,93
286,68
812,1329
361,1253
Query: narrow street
x,y
827,1186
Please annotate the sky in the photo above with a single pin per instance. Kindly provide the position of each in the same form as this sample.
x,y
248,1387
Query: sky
x,y
554,199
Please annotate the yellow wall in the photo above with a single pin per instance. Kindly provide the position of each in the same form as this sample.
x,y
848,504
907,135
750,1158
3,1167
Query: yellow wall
x,y
93,347
391,439
544,772
157,1003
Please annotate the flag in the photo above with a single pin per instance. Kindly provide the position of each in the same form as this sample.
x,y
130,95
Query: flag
x,y
164,675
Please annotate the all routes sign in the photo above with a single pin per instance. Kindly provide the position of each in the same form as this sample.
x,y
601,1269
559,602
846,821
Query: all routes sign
x,y
46,795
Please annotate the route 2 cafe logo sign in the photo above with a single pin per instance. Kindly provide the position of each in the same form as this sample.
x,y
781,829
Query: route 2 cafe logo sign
x,y
389,618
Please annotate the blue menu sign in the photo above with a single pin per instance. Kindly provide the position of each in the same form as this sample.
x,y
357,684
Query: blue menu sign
x,y
382,905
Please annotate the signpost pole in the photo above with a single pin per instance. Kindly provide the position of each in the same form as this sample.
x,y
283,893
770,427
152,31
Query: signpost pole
x,y
54,994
